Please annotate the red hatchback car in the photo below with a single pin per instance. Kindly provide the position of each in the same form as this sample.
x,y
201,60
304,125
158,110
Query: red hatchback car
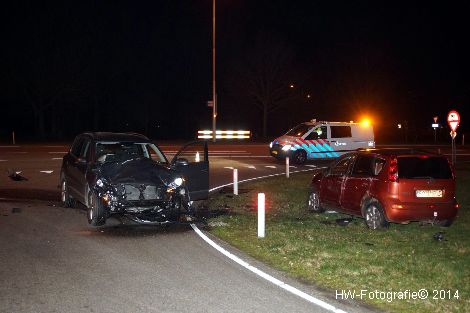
x,y
387,185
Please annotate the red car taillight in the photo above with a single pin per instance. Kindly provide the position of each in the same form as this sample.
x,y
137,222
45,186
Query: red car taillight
x,y
393,169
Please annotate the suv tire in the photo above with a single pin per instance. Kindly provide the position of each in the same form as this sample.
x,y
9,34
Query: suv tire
x,y
374,215
96,212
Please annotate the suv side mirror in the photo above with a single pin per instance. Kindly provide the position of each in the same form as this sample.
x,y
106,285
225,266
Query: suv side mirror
x,y
181,162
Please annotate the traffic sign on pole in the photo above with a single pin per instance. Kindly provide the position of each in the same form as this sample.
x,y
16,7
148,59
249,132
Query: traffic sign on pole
x,y
453,118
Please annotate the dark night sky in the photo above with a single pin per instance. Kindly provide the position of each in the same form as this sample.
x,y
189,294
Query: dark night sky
x,y
146,66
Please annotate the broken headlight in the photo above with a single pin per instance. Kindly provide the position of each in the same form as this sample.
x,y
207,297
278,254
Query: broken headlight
x,y
175,183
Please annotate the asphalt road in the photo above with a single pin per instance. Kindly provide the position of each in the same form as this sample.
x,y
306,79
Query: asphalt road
x,y
52,261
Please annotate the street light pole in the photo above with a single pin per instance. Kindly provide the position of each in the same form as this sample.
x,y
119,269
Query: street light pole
x,y
214,93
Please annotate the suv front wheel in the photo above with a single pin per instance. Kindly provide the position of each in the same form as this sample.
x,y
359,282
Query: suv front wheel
x,y
374,215
96,212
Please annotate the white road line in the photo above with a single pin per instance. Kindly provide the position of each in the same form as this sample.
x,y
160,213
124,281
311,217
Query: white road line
x,y
47,172
270,166
310,165
58,152
56,159
259,272
250,166
292,166
261,177
266,276
3,160
228,167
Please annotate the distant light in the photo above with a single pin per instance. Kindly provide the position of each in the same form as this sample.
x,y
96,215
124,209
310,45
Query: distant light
x,y
308,96
435,125
224,134
399,126
291,86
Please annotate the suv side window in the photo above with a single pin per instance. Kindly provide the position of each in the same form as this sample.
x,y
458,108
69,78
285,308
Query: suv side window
x,y
341,167
317,133
84,152
77,147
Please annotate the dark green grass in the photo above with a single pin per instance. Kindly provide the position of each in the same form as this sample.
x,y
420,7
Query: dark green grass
x,y
313,248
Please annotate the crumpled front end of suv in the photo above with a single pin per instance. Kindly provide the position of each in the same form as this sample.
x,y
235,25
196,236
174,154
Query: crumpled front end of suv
x,y
143,191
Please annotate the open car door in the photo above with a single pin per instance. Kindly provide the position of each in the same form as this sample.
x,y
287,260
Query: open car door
x,y
192,161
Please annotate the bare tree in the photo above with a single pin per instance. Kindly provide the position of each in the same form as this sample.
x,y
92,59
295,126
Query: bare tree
x,y
267,76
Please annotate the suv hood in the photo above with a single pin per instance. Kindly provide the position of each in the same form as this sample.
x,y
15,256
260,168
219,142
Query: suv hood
x,y
141,171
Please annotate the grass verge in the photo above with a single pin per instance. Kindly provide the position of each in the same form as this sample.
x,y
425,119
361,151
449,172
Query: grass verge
x,y
315,249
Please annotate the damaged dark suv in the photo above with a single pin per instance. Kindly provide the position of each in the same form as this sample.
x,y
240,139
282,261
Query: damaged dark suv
x,y
125,174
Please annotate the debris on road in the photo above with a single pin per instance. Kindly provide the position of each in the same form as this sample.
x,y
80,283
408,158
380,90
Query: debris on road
x,y
15,175
439,236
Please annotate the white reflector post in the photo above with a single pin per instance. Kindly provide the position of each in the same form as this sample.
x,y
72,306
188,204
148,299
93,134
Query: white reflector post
x,y
261,212
235,181
287,167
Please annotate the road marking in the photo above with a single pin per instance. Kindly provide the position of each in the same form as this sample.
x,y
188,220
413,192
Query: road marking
x,y
266,276
56,158
228,167
59,146
251,166
292,166
270,166
259,272
310,165
47,172
3,160
58,152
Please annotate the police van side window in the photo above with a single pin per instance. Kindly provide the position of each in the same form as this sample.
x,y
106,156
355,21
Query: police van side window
x,y
340,131
317,133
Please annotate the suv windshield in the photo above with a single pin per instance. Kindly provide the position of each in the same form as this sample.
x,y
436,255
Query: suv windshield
x,y
123,151
424,168
299,130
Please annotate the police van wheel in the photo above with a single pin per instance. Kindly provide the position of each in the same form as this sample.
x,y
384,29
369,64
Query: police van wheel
x,y
299,157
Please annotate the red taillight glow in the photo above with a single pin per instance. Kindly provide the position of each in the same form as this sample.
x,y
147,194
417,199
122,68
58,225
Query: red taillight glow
x,y
393,170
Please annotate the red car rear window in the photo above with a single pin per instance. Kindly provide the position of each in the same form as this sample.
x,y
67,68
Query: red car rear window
x,y
424,168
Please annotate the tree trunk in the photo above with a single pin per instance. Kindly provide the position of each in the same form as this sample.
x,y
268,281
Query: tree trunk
x,y
40,124
265,120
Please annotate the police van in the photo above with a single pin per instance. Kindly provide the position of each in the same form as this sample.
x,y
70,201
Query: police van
x,y
322,140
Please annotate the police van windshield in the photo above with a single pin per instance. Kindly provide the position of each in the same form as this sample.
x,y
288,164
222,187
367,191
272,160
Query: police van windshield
x,y
299,130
